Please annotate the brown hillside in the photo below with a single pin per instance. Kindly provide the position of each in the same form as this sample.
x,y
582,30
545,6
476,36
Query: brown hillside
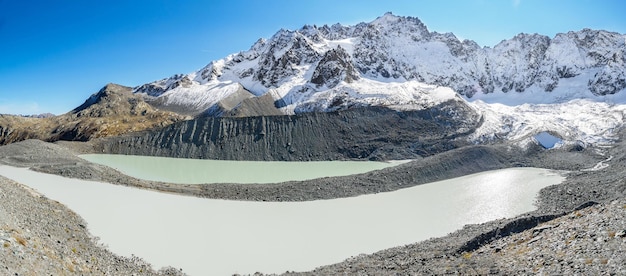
x,y
114,110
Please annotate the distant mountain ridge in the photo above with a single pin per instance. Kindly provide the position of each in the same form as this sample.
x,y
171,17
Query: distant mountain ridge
x,y
337,67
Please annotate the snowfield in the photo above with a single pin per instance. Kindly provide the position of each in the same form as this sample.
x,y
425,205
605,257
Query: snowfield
x,y
409,95
570,111
580,120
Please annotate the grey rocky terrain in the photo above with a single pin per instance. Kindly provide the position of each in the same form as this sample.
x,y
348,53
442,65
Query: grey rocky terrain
x,y
374,133
39,236
577,228
588,241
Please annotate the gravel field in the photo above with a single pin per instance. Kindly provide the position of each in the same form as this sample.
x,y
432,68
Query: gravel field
x,y
589,241
39,236
578,227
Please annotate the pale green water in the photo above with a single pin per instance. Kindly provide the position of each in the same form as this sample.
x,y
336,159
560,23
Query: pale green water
x,y
195,171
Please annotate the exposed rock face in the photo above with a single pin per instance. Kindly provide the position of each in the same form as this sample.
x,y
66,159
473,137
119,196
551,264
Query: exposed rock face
x,y
282,56
157,88
255,106
242,103
334,67
362,133
610,80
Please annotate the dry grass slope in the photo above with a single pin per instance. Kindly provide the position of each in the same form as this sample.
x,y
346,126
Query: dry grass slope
x,y
113,111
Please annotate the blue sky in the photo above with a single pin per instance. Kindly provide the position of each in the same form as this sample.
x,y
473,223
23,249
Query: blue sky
x,y
54,54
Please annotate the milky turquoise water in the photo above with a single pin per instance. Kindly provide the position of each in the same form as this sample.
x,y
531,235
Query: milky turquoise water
x,y
197,171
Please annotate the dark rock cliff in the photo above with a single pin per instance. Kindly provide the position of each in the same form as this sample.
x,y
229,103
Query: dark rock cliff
x,y
373,133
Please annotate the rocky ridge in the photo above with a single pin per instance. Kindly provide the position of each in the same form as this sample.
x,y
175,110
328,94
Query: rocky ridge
x,y
112,111
359,133
296,66
393,62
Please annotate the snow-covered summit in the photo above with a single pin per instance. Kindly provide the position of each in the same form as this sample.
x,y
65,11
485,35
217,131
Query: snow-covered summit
x,y
567,85
298,66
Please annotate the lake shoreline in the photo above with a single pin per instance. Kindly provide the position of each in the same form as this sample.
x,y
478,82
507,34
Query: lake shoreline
x,y
581,188
62,159
129,220
39,236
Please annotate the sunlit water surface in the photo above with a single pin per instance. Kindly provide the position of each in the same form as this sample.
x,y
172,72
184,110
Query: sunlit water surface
x,y
220,237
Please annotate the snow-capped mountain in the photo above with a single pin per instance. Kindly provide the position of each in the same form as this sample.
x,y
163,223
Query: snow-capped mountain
x,y
296,66
397,62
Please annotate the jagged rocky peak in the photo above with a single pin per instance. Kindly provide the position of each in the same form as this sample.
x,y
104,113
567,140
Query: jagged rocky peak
x,y
313,33
594,49
590,39
159,87
284,53
457,48
335,67
518,63
210,72
335,31
527,48
390,23
587,48
298,65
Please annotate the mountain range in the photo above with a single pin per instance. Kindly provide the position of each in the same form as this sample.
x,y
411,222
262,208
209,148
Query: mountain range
x,y
569,87
385,90
394,61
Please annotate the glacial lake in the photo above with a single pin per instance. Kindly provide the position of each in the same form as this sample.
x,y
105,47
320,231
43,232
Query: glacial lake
x,y
201,171
220,237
